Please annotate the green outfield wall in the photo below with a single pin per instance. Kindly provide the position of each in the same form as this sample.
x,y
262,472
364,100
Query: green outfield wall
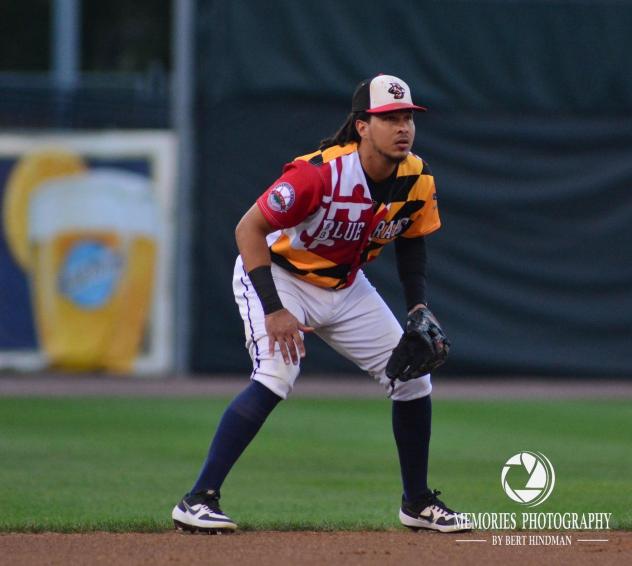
x,y
529,135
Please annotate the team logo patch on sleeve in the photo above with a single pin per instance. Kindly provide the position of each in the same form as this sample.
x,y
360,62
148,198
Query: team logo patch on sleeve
x,y
281,197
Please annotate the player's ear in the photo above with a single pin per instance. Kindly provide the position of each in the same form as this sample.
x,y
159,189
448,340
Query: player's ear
x,y
361,127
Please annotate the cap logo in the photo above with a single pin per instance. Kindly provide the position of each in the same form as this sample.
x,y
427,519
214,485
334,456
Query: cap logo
x,y
397,91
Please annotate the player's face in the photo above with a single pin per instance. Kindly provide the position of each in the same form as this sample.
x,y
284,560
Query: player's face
x,y
390,135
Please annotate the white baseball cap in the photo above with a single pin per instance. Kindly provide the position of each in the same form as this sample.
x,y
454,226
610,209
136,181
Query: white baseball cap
x,y
383,93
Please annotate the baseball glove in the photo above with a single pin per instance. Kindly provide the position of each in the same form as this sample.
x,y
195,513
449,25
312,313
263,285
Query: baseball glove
x,y
422,348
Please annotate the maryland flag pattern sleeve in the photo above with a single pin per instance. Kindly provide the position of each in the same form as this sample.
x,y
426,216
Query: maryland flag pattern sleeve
x,y
328,224
421,200
412,211
293,197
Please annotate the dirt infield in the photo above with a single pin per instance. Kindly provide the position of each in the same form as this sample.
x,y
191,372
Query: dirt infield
x,y
307,548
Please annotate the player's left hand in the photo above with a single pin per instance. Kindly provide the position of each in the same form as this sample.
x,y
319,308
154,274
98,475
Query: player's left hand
x,y
422,348
283,327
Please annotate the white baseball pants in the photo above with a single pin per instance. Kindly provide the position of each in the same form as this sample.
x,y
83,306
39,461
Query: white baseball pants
x,y
355,321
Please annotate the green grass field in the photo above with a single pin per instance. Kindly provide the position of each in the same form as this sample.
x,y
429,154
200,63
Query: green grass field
x,y
121,464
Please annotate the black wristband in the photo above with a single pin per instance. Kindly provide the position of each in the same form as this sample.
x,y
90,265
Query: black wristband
x,y
261,278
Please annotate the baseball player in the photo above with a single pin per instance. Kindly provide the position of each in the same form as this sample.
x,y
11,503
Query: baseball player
x,y
302,246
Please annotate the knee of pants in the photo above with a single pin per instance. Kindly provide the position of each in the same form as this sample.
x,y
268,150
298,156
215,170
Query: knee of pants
x,y
404,390
408,390
276,375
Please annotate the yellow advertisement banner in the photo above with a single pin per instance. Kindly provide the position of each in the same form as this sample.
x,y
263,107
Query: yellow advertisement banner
x,y
86,251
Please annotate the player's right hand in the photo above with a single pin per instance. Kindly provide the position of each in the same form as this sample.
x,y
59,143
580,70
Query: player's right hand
x,y
283,327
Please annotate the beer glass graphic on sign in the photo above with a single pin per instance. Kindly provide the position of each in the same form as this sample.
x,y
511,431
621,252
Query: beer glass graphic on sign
x,y
89,242
93,240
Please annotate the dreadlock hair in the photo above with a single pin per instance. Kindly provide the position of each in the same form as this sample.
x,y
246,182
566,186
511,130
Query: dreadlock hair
x,y
347,132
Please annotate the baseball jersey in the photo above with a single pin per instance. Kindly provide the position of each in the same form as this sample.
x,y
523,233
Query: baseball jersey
x,y
328,224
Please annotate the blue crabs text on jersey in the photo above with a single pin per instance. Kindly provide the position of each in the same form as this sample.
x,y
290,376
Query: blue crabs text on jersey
x,y
328,224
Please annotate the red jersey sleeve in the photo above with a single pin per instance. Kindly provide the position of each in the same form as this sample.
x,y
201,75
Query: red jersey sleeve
x,y
294,196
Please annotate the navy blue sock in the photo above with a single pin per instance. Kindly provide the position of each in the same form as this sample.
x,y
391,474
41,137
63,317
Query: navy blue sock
x,y
411,428
239,425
